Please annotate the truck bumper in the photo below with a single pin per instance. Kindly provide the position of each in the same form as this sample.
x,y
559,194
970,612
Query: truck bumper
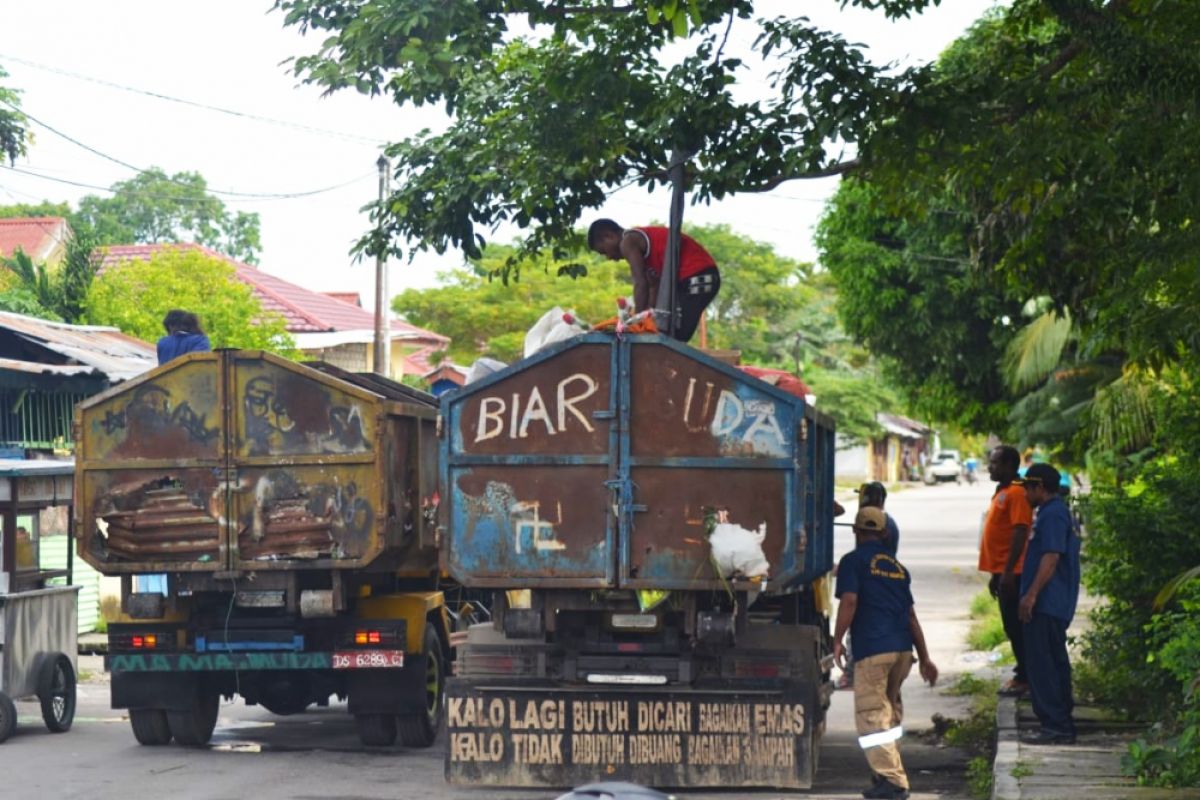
x,y
542,733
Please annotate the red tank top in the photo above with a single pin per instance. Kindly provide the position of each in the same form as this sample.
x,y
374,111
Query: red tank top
x,y
693,258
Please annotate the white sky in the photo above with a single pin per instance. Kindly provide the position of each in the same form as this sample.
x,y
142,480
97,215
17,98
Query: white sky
x,y
227,53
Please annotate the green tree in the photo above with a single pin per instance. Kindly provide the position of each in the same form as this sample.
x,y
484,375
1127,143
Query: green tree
x,y
58,293
45,208
156,207
135,296
544,126
13,131
485,317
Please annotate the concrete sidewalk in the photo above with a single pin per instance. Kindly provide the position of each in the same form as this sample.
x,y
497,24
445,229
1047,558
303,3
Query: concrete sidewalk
x,y
1090,769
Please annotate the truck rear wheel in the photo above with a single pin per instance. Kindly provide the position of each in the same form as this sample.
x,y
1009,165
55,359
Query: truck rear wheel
x,y
8,716
194,727
150,726
376,730
420,729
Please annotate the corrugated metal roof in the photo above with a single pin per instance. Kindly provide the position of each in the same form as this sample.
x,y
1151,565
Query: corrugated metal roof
x,y
18,467
105,350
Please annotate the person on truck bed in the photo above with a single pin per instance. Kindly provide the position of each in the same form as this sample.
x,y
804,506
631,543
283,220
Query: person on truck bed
x,y
645,249
184,335
877,608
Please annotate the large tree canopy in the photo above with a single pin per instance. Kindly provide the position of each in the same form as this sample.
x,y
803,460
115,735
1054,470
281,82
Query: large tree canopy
x,y
587,98
156,207
13,131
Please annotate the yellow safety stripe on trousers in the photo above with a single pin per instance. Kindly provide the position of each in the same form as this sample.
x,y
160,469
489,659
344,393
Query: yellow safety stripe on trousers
x,y
881,738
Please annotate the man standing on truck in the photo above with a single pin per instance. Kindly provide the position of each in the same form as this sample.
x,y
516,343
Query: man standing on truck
x,y
645,249
1002,553
876,606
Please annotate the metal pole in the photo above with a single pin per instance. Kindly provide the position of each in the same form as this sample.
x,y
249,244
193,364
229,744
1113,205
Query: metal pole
x,y
383,341
667,301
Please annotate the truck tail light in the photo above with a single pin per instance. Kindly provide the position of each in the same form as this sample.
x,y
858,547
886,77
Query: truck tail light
x,y
368,637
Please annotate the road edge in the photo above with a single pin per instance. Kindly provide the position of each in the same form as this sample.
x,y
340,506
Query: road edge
x,y
1004,785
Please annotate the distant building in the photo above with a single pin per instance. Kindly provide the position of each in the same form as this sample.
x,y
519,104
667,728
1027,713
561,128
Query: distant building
x,y
893,455
327,326
46,367
43,239
446,377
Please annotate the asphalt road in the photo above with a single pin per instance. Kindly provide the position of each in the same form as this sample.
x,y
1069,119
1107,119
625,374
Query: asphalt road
x,y
257,756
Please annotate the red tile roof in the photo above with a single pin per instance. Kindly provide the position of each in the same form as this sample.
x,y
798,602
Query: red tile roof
x,y
37,236
346,297
306,311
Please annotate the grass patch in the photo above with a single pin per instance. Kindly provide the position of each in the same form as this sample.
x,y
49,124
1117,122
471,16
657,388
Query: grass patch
x,y
979,777
984,605
986,634
1021,770
84,676
976,733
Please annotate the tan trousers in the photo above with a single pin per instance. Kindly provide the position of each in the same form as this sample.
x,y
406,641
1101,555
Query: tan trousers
x,y
878,711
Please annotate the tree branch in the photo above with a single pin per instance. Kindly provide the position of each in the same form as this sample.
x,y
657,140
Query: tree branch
x,y
841,168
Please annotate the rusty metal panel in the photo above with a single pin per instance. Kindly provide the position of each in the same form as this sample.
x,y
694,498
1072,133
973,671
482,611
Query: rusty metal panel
x,y
172,413
531,526
705,441
281,409
562,736
311,513
528,460
304,447
685,404
138,517
551,405
149,492
668,546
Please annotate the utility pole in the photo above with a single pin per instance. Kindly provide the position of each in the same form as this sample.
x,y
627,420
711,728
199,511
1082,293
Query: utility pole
x,y
383,337
667,301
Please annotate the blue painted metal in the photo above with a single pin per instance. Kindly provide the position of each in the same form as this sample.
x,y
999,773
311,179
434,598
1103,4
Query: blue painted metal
x,y
685,432
205,645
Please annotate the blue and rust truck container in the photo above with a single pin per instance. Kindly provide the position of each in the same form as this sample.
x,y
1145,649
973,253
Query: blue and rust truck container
x,y
290,514
582,485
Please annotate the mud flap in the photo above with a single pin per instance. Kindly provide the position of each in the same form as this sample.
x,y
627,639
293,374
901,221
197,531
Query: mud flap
x,y
529,734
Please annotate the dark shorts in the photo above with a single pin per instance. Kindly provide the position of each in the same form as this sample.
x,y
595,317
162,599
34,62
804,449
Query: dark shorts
x,y
692,296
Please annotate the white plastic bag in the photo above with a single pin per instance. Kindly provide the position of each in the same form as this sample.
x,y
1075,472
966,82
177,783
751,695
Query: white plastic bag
x,y
738,551
483,367
549,329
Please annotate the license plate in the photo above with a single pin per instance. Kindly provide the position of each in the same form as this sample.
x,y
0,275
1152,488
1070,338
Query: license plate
x,y
368,659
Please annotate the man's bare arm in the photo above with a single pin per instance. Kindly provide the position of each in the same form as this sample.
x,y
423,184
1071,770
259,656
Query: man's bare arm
x,y
632,251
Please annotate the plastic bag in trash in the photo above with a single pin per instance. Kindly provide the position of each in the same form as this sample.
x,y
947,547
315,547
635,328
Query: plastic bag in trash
x,y
738,551
549,329
483,367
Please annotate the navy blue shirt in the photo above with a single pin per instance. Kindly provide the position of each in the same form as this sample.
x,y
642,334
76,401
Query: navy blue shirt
x,y
883,585
1054,532
892,543
177,344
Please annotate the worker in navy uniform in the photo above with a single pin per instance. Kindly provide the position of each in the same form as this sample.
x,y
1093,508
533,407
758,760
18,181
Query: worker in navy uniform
x,y
1049,592
877,608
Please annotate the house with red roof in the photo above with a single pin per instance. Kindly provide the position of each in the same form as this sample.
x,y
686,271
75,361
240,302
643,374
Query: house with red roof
x,y
43,239
326,326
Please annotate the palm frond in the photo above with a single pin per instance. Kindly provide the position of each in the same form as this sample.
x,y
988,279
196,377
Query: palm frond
x,y
1167,592
1123,414
1036,350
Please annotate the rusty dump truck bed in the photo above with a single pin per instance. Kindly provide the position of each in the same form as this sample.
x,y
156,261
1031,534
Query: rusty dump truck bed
x,y
240,460
599,462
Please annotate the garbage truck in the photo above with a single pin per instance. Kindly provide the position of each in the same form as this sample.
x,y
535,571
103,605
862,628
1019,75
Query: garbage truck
x,y
274,529
656,527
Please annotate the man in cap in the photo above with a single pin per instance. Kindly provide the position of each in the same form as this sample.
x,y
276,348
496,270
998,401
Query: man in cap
x,y
877,608
1049,592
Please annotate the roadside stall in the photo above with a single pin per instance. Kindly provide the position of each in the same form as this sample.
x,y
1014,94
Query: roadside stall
x,y
38,641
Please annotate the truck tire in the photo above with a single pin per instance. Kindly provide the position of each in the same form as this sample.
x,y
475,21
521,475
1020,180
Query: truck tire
x,y
376,730
420,729
56,692
194,727
8,717
150,726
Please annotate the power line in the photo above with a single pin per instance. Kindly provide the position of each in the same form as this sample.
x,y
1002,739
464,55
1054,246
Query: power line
x,y
194,103
148,195
140,170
